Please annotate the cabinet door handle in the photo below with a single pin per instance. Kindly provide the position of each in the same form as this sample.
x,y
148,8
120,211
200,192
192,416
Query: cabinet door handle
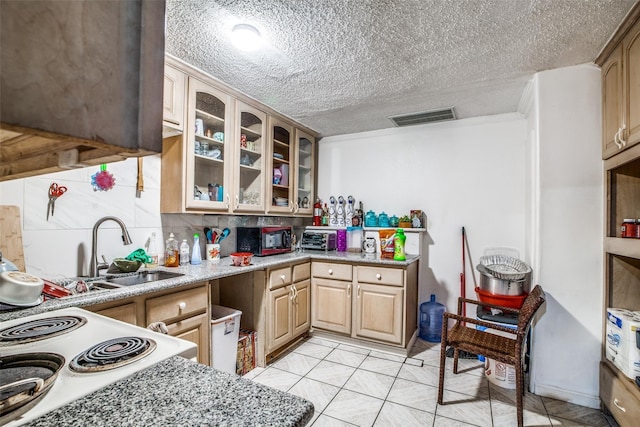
x,y
615,139
379,276
349,291
617,403
297,207
292,207
621,134
330,272
291,294
182,305
358,291
237,201
295,294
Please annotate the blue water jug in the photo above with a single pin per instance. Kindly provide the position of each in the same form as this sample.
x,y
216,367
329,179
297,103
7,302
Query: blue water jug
x,y
431,320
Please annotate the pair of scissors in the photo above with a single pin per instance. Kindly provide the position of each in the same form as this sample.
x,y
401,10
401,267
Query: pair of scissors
x,y
55,191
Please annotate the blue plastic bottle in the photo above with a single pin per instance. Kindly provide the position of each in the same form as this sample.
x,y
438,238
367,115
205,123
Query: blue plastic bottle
x,y
431,320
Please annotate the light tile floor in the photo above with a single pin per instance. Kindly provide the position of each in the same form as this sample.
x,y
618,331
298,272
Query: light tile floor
x,y
356,386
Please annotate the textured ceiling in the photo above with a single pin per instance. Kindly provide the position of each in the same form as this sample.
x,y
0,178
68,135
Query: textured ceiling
x,y
343,66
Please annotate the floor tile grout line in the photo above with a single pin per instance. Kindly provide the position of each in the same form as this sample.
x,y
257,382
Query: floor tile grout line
x,y
340,388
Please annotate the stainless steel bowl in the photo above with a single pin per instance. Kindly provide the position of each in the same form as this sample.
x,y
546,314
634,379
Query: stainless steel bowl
x,y
496,286
20,289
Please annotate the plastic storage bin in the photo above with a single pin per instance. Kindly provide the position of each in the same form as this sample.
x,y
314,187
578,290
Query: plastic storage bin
x,y
225,327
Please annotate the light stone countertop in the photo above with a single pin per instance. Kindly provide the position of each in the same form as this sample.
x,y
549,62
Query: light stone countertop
x,y
207,270
179,392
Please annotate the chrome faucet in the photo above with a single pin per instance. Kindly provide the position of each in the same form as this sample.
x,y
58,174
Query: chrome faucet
x,y
126,239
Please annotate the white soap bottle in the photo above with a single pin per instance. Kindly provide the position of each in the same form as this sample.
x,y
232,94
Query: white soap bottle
x,y
196,258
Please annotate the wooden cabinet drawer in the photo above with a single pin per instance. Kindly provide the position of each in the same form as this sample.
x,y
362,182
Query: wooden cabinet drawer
x,y
125,313
301,272
329,270
380,275
618,395
279,278
179,304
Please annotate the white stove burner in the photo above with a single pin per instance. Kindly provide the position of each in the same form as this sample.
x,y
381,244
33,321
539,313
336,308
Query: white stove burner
x,y
40,329
112,354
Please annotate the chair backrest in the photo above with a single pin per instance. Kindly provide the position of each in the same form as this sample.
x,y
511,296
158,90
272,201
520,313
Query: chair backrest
x,y
531,304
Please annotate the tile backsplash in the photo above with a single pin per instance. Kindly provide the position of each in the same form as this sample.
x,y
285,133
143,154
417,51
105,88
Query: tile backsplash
x,y
61,246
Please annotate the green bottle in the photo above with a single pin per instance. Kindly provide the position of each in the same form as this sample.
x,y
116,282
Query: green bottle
x,y
398,245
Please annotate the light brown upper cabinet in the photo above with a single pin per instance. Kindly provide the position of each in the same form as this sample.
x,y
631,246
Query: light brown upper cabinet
x,y
304,185
621,94
173,101
250,154
235,155
281,148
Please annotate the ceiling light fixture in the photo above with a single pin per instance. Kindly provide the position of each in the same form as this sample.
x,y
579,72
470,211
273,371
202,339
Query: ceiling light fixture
x,y
245,37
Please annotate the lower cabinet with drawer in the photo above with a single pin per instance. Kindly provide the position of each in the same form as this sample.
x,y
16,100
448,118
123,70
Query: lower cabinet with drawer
x,y
185,312
372,302
331,286
619,395
288,305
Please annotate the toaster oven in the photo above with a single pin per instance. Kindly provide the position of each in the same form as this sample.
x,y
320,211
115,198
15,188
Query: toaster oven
x,y
319,239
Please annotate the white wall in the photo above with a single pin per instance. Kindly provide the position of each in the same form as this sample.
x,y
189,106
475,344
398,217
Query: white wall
x,y
61,246
461,173
566,192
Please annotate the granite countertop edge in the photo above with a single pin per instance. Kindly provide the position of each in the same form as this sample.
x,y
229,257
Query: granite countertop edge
x,y
207,270
180,392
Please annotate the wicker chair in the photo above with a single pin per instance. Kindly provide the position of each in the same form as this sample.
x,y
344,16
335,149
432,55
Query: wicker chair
x,y
499,348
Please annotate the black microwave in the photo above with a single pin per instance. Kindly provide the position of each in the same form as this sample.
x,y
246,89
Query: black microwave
x,y
262,241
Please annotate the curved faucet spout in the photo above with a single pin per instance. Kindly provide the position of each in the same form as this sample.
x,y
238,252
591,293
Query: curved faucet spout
x,y
126,239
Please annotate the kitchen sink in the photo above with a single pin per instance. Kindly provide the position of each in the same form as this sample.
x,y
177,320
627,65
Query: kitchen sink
x,y
136,279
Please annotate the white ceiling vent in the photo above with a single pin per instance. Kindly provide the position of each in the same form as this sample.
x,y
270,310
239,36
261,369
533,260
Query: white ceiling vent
x,y
432,116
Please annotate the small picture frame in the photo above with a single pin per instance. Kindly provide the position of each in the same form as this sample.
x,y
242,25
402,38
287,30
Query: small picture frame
x,y
417,218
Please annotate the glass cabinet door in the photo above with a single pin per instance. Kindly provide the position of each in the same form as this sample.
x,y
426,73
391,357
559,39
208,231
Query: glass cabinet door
x,y
281,159
304,182
208,153
249,159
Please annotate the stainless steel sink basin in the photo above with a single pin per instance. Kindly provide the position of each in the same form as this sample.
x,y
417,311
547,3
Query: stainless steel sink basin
x,y
135,279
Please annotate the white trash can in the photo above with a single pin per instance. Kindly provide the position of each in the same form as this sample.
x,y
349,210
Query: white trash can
x,y
225,327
